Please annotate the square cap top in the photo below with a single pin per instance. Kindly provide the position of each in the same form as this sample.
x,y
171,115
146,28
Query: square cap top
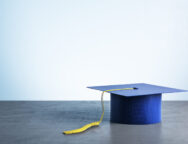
x,y
140,89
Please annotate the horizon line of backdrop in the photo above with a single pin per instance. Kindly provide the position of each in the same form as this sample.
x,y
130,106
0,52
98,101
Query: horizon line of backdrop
x,y
54,49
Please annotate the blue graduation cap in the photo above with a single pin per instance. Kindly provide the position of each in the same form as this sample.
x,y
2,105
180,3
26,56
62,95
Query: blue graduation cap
x,y
141,104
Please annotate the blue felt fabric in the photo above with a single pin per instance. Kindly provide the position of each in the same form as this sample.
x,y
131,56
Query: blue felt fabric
x,y
142,89
136,110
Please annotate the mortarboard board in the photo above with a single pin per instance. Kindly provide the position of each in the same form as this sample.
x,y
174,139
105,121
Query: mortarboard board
x,y
138,103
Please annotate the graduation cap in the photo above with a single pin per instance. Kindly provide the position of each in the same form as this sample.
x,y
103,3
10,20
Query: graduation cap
x,y
138,103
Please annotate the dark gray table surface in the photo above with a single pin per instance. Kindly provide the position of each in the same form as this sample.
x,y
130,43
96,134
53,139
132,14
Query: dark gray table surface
x,y
42,122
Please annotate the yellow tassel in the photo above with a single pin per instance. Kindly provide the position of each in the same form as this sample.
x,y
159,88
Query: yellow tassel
x,y
97,123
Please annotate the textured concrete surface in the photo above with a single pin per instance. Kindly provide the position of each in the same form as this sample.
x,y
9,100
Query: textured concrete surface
x,y
26,122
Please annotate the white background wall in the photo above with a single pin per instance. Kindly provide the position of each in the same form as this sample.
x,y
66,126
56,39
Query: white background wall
x,y
53,49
